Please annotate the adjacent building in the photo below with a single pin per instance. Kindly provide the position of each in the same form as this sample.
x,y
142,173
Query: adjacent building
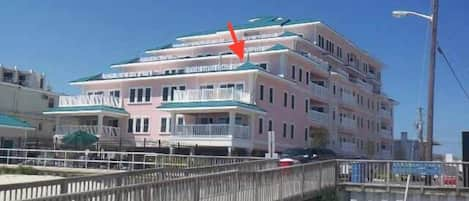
x,y
407,149
298,76
25,96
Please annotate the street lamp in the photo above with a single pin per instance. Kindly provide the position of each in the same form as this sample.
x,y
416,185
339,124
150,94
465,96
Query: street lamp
x,y
433,18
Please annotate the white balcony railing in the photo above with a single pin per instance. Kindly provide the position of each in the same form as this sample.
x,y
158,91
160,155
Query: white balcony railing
x,y
89,100
212,131
318,117
216,41
321,64
103,131
364,85
319,90
386,133
218,94
385,113
348,99
348,123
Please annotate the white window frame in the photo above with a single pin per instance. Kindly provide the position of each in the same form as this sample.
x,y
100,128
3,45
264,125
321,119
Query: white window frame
x,y
143,95
169,92
134,126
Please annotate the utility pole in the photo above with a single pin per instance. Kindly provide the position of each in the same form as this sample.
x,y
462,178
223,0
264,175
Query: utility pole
x,y
419,128
431,81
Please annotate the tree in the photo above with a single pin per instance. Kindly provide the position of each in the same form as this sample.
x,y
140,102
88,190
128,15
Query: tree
x,y
319,136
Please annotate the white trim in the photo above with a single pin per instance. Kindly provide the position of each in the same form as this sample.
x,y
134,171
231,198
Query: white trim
x,y
86,112
190,59
210,108
17,127
144,93
142,125
170,86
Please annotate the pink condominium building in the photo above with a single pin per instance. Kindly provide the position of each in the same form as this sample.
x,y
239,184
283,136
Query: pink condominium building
x,y
299,79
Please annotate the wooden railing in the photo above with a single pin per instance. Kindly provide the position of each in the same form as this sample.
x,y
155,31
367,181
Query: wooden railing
x,y
40,189
295,182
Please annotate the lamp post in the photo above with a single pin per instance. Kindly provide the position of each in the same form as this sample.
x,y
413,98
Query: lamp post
x,y
433,18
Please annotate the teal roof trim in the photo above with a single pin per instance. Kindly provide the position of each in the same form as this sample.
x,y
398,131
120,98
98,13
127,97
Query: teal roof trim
x,y
245,66
289,33
210,104
277,47
89,78
254,23
10,121
134,60
88,108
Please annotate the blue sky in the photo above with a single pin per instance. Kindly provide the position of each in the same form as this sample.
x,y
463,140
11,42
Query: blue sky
x,y
70,39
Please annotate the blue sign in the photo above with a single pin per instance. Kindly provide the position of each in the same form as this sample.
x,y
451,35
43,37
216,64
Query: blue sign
x,y
416,168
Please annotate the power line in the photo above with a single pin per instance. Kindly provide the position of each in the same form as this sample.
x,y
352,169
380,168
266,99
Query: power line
x,y
453,72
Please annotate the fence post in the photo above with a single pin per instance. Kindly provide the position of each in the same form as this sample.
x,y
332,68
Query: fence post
x,y
303,182
320,175
8,156
63,188
388,174
196,188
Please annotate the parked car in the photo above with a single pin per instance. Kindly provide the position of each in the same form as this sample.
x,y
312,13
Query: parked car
x,y
299,155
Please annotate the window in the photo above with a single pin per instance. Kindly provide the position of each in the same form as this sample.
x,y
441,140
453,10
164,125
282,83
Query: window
x,y
146,125
50,102
263,66
307,78
284,130
138,125
306,105
180,121
300,75
163,125
261,125
292,131
206,86
321,41
261,92
285,99
270,125
293,72
115,93
140,95
168,92
130,126
292,102
306,134
39,127
271,95
239,86
339,52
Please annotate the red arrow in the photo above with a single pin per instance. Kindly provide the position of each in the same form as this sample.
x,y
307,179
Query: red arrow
x,y
238,46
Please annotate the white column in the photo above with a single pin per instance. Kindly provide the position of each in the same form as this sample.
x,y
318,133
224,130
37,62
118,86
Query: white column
x,y
100,124
57,124
232,118
283,65
173,123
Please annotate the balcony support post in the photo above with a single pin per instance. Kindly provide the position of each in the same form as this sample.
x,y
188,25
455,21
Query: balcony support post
x,y
173,123
100,125
232,118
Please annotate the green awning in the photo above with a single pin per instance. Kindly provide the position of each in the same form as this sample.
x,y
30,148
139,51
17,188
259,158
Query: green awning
x,y
7,121
79,139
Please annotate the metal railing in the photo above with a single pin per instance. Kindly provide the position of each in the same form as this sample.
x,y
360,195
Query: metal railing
x,y
89,100
348,99
101,131
318,117
319,91
212,131
218,94
385,113
110,160
40,189
294,182
216,41
384,173
347,123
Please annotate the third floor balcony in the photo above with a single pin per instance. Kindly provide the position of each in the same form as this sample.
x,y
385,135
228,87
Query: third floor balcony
x,y
89,100
218,94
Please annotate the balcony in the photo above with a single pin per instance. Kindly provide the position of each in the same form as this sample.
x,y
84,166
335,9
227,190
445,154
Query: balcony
x,y
321,64
89,100
319,91
385,113
212,131
216,41
386,133
319,117
347,123
348,99
99,131
218,94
